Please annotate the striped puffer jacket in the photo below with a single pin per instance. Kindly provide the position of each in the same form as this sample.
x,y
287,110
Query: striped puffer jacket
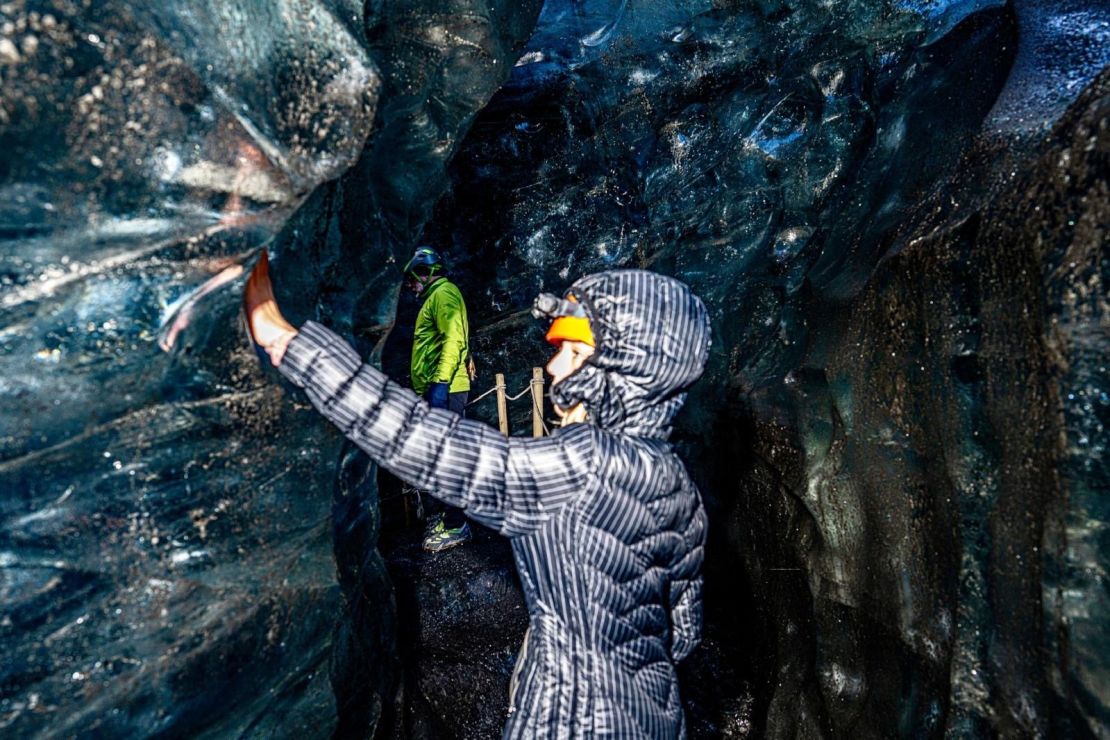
x,y
607,528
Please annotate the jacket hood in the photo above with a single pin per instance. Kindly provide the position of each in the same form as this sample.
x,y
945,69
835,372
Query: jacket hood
x,y
653,337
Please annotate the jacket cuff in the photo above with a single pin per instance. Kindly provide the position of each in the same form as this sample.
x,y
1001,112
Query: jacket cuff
x,y
316,346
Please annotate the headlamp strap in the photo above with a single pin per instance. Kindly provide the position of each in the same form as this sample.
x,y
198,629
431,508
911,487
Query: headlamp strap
x,y
551,306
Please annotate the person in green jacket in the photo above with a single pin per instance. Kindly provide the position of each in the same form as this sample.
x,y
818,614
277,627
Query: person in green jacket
x,y
440,358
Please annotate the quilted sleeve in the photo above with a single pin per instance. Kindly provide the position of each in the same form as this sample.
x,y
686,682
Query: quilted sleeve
x,y
686,587
511,485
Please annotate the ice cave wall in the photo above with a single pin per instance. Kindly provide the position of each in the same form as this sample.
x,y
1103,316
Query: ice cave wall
x,y
179,554
900,438
923,576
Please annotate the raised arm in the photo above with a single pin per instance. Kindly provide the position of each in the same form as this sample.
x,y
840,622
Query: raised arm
x,y
511,485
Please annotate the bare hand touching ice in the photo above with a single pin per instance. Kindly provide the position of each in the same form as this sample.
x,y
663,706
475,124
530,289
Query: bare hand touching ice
x,y
268,327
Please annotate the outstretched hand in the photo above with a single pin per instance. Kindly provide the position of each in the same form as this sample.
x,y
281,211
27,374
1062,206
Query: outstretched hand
x,y
268,327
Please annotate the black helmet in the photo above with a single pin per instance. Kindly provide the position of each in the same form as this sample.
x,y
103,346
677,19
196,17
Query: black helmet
x,y
424,257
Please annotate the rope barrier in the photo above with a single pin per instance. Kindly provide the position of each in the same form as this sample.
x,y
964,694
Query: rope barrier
x,y
537,399
527,389
537,405
479,398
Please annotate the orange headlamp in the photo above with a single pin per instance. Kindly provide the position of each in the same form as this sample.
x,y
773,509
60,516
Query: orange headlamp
x,y
570,328
569,320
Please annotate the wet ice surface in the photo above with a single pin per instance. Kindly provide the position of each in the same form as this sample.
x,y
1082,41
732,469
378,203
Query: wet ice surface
x,y
166,535
166,545
155,539
1062,46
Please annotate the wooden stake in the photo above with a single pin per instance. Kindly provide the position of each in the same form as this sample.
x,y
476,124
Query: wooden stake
x,y
502,406
537,402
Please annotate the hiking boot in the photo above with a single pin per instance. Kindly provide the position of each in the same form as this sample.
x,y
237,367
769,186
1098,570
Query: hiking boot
x,y
432,524
440,538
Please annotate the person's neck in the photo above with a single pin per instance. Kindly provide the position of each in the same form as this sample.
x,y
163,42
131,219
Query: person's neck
x,y
432,281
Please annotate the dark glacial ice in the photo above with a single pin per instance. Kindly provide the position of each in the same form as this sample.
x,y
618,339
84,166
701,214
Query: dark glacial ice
x,y
895,210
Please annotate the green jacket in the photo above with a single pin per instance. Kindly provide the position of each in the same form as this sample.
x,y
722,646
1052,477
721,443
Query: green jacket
x,y
440,341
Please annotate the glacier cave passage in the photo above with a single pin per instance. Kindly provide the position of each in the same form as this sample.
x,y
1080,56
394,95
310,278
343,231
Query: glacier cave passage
x,y
896,212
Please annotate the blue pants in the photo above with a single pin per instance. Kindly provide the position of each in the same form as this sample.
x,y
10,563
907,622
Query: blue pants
x,y
452,517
